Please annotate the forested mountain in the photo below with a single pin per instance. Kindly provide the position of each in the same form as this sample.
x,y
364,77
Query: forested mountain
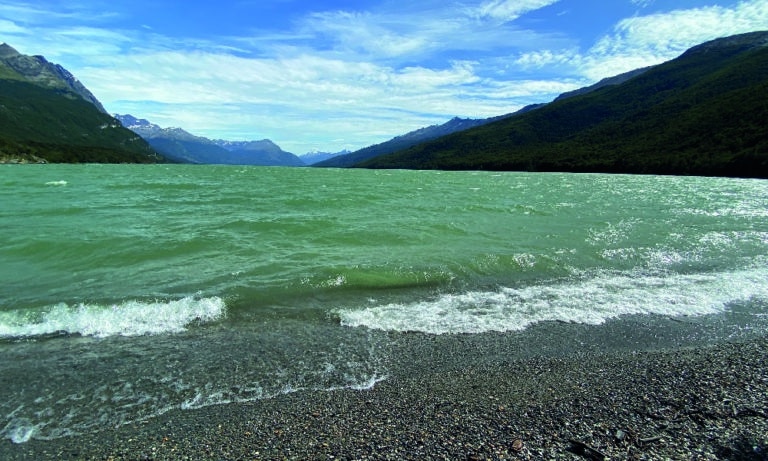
x,y
46,115
402,142
702,113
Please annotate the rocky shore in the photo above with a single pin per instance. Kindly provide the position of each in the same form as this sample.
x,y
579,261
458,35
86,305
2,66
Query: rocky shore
x,y
694,403
20,158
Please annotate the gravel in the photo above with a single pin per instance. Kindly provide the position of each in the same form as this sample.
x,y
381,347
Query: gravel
x,y
704,402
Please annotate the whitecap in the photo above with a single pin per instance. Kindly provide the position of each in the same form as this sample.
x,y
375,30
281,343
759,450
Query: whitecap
x,y
591,300
129,318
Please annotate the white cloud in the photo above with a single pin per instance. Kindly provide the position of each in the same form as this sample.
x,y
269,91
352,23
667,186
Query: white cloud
x,y
508,10
527,88
544,58
424,33
365,33
300,81
647,40
10,28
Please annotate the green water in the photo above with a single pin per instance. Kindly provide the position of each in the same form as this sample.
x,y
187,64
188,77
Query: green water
x,y
219,283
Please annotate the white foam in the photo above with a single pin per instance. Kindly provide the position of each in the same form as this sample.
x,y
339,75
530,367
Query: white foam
x,y
368,384
591,300
56,183
129,318
20,431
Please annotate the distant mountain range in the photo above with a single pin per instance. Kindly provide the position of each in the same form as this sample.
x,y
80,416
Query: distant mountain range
x,y
47,115
180,146
312,158
702,113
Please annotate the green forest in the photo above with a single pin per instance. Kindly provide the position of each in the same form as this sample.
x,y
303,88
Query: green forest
x,y
40,123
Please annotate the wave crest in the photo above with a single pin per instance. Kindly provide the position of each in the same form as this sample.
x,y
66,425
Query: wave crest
x,y
591,301
129,318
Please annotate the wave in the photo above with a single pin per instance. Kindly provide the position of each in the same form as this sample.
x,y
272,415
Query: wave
x,y
590,300
129,318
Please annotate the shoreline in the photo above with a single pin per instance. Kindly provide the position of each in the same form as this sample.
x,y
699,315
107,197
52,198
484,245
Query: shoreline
x,y
693,402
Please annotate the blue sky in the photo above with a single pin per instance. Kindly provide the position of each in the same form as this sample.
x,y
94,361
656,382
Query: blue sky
x,y
341,74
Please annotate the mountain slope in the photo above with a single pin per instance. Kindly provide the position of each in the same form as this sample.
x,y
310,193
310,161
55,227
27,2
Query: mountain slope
x,y
402,142
37,70
45,118
702,113
263,152
181,146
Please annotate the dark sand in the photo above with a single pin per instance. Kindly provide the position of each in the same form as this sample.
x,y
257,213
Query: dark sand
x,y
695,402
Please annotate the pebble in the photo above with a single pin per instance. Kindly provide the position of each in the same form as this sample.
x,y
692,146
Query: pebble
x,y
699,403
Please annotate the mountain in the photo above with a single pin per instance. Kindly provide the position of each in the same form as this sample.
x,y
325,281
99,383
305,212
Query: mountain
x,y
402,142
174,143
37,70
311,158
610,81
47,115
702,113
180,146
263,152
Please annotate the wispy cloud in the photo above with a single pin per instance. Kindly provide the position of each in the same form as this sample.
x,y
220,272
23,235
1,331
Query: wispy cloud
x,y
647,40
508,10
10,28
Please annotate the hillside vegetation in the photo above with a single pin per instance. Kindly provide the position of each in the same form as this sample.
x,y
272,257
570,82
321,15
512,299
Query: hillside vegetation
x,y
703,113
38,124
402,142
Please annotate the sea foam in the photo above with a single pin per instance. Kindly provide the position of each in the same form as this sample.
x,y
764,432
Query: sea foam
x,y
129,318
589,300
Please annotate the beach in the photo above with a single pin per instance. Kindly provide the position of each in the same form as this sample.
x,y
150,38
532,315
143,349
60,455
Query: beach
x,y
467,399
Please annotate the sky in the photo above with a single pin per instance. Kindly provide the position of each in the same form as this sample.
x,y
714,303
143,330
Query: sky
x,y
329,75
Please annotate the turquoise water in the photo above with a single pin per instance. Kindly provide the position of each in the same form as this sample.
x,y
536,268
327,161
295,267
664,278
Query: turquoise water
x,y
130,290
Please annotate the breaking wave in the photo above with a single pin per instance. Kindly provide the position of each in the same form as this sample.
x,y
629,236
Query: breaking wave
x,y
129,318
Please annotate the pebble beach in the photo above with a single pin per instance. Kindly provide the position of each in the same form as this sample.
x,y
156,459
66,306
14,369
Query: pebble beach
x,y
705,401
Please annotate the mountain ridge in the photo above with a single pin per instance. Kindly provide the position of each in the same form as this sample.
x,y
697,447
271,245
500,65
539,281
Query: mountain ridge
x,y
401,142
181,146
314,157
